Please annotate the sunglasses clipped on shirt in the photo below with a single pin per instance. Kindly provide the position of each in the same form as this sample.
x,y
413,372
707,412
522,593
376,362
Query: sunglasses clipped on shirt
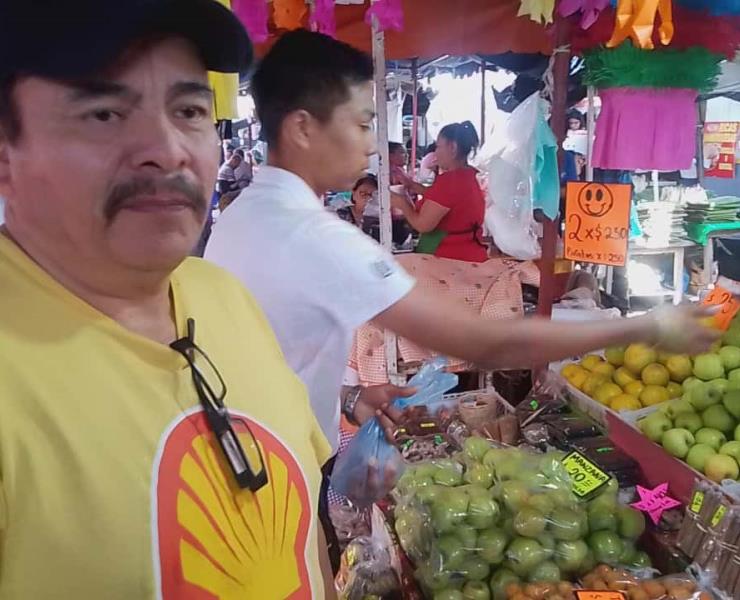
x,y
246,462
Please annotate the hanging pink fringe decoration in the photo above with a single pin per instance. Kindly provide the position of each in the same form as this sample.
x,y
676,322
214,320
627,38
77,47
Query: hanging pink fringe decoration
x,y
322,17
389,14
589,9
253,15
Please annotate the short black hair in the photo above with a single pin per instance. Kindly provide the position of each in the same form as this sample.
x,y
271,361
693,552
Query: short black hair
x,y
395,147
369,178
10,118
239,152
306,71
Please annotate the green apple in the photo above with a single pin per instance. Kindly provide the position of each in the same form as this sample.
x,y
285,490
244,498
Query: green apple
x,y
734,376
588,564
448,594
569,556
599,519
445,519
523,554
468,537
548,543
731,449
631,522
731,401
607,546
730,356
451,552
732,335
690,421
629,553
690,383
677,442
703,395
428,494
502,578
720,384
529,522
654,426
480,474
606,501
476,590
476,447
677,406
641,561
737,433
432,577
448,473
514,495
708,366
475,568
567,524
543,503
545,571
720,467
494,456
482,513
717,417
710,437
698,455
491,545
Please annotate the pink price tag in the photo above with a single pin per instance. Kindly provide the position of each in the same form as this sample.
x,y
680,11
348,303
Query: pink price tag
x,y
655,502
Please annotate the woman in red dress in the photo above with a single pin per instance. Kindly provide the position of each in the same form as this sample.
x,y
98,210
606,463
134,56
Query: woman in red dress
x,y
450,214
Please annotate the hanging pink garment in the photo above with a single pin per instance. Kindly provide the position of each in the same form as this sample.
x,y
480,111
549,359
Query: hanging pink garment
x,y
588,9
646,129
389,14
253,15
322,17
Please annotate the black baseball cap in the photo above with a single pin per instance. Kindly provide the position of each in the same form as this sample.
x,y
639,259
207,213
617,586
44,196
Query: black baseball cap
x,y
68,39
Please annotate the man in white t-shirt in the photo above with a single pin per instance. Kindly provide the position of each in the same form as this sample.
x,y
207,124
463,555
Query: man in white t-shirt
x,y
319,278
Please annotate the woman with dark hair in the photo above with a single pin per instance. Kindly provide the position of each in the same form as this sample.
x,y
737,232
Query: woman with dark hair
x,y
450,215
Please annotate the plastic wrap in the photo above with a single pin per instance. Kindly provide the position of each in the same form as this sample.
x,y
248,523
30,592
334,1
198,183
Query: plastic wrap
x,y
491,517
509,215
366,571
370,466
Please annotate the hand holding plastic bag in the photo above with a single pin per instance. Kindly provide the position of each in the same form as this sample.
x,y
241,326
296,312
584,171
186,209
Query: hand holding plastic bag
x,y
370,466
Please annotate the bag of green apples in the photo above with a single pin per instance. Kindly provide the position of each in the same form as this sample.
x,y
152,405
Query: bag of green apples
x,y
491,516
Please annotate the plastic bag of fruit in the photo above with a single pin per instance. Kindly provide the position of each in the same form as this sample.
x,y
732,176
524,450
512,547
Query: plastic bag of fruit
x,y
491,517
644,584
370,466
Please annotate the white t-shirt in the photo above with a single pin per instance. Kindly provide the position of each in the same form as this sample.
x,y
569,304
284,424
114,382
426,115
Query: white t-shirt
x,y
316,277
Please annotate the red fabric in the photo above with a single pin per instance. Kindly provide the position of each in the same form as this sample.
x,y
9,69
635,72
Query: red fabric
x,y
459,191
693,28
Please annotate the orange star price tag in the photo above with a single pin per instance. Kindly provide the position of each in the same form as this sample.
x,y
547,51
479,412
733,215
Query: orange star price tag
x,y
729,304
594,595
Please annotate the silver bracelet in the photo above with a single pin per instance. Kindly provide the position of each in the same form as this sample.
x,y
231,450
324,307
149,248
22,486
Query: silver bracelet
x,y
350,402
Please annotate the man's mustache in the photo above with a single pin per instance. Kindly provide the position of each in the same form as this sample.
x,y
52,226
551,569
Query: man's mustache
x,y
177,185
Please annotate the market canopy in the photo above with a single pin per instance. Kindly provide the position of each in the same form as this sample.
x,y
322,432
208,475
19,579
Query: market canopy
x,y
437,27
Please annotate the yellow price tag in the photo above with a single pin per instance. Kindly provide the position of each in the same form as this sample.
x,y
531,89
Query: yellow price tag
x,y
697,500
718,515
585,476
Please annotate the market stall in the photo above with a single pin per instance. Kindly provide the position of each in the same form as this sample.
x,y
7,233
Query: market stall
x,y
616,477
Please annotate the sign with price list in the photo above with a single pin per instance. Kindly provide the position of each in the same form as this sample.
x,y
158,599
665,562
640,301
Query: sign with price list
x,y
597,221
729,306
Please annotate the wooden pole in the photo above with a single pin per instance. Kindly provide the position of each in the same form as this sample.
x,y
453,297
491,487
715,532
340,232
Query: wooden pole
x,y
384,179
483,102
415,113
558,124
590,126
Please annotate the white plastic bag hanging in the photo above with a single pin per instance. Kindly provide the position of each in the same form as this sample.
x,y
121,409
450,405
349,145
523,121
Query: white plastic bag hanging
x,y
509,210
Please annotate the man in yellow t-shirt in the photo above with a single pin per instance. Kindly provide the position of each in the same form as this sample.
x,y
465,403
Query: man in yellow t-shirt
x,y
153,442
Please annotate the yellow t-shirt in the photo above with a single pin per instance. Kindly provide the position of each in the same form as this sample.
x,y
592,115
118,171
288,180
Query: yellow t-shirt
x,y
111,486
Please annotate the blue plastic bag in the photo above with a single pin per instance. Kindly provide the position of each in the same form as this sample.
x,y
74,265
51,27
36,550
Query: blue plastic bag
x,y
370,466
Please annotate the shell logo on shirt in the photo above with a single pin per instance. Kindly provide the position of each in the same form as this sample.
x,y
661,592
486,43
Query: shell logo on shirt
x,y
213,540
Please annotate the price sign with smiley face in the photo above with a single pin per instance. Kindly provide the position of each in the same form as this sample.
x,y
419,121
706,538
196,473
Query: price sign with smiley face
x,y
729,306
597,219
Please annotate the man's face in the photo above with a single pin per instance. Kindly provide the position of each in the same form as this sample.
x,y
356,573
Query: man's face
x,y
342,147
113,172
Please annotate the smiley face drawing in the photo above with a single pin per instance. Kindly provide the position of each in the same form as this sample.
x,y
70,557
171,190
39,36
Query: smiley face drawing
x,y
595,200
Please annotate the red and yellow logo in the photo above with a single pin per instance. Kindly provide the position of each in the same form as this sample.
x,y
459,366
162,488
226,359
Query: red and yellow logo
x,y
213,540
